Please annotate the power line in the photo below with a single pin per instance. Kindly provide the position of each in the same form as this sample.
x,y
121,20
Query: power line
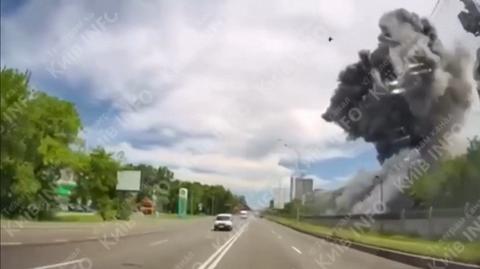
x,y
435,8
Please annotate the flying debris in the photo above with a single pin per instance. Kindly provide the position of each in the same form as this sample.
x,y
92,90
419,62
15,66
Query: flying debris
x,y
470,18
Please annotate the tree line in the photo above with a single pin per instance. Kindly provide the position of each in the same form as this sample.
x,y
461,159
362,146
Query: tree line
x,y
40,137
455,182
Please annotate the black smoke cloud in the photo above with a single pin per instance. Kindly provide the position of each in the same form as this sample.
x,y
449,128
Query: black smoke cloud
x,y
396,94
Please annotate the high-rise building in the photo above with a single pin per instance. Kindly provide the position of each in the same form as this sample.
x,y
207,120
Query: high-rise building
x,y
300,187
279,197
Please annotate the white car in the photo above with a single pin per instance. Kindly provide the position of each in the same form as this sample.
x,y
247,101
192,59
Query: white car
x,y
244,214
223,222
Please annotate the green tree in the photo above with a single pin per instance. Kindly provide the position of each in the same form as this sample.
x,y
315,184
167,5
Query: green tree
x,y
37,133
454,183
101,178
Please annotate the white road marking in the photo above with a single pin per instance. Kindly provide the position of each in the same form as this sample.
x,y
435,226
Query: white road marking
x,y
60,240
156,243
62,264
213,260
297,250
10,243
275,233
91,237
204,265
225,250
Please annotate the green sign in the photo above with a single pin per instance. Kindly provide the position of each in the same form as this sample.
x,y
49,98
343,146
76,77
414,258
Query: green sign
x,y
182,202
65,189
63,192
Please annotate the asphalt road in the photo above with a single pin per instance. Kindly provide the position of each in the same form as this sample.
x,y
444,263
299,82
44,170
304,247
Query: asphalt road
x,y
254,243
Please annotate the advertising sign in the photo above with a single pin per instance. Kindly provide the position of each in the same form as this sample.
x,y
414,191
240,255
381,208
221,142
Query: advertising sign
x,y
182,202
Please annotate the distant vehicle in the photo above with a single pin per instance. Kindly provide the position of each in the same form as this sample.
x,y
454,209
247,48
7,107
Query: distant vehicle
x,y
79,208
147,206
244,214
223,222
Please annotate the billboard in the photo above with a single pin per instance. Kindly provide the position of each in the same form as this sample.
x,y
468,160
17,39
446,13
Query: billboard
x,y
128,180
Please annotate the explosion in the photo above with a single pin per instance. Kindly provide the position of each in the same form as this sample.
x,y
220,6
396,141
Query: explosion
x,y
397,97
394,96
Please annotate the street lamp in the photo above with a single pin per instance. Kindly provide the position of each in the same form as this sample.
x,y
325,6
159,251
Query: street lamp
x,y
297,167
297,163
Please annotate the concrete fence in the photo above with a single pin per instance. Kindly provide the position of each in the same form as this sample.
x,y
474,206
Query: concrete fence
x,y
442,224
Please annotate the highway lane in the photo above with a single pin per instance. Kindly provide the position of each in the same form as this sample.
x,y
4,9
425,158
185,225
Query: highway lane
x,y
270,245
254,243
15,232
180,246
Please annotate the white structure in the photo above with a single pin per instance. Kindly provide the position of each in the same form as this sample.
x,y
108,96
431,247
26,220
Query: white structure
x,y
128,180
280,196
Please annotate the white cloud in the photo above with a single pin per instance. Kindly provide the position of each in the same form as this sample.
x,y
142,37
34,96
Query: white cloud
x,y
239,173
222,81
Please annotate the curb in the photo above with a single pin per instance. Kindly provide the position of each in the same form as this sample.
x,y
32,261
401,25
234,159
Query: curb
x,y
403,257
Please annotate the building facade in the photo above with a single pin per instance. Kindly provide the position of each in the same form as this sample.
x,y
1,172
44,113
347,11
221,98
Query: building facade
x,y
300,187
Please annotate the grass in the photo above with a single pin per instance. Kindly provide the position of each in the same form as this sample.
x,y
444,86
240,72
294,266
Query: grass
x,y
170,216
468,252
89,217
77,217
80,217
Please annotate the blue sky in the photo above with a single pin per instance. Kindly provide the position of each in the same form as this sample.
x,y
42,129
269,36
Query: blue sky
x,y
208,90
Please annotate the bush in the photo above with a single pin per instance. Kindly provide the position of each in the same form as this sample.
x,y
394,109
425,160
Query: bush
x,y
124,209
105,209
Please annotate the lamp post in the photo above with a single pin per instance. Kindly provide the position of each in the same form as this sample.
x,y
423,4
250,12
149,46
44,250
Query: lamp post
x,y
296,172
297,163
379,180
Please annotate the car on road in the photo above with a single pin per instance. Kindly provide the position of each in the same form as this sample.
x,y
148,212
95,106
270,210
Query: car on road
x,y
244,214
223,222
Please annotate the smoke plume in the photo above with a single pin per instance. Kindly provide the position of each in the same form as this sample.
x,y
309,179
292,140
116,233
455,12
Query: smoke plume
x,y
397,94
476,71
404,97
